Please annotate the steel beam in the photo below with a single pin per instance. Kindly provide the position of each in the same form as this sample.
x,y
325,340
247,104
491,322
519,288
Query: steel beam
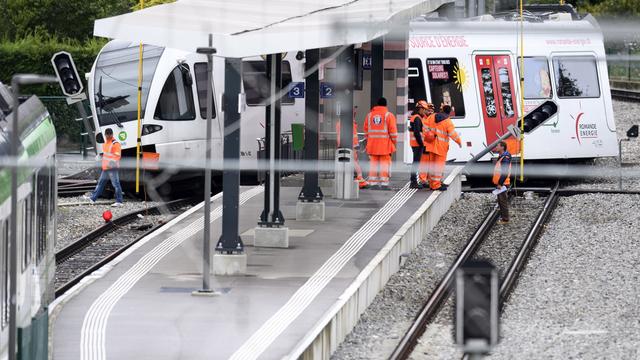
x,y
377,70
230,241
345,76
271,215
311,190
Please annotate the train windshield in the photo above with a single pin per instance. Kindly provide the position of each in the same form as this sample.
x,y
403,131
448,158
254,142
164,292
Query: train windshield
x,y
115,81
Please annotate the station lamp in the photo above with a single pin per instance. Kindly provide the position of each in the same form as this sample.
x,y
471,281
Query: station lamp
x,y
476,307
67,73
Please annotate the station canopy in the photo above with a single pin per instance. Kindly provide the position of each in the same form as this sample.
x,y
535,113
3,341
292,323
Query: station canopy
x,y
243,28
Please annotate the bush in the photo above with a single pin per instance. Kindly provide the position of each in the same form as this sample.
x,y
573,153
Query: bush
x,y
33,55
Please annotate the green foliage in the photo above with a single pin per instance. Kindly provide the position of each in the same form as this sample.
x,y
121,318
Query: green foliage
x,y
69,19
32,54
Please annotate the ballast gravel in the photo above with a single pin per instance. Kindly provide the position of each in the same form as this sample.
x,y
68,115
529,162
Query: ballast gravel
x,y
76,221
500,247
578,297
390,314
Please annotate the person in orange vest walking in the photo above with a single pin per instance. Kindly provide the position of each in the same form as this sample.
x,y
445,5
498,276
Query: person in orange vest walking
x,y
424,158
381,132
502,180
362,183
111,153
440,130
416,141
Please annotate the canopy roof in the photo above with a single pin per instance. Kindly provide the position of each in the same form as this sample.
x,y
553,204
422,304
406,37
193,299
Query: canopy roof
x,y
243,28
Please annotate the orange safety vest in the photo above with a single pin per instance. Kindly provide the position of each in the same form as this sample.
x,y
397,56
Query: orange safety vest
x,y
497,171
356,141
381,131
111,152
444,130
413,142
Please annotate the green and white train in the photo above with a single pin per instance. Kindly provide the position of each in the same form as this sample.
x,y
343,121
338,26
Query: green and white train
x,y
36,224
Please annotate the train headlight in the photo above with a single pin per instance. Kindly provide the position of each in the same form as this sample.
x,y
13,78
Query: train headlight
x,y
150,129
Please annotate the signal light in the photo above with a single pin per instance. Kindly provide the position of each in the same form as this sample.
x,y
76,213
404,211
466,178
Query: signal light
x,y
476,309
67,73
539,115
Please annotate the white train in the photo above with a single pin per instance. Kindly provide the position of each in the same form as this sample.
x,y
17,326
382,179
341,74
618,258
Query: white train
x,y
471,65
36,217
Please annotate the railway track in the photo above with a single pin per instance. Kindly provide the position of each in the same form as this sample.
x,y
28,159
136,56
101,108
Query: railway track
x,y
508,278
74,187
105,243
628,95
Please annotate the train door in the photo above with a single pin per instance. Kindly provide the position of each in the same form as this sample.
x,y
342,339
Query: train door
x,y
497,96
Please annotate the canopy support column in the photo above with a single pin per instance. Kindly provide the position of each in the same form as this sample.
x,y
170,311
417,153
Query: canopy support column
x,y
377,70
346,187
270,231
230,258
310,204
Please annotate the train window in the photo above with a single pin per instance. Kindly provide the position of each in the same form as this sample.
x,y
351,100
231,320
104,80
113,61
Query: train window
x,y
576,76
537,82
257,85
4,258
25,209
487,88
201,85
115,80
42,212
176,98
505,90
445,82
416,83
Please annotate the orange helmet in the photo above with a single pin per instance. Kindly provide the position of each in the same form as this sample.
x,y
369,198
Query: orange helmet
x,y
422,104
430,136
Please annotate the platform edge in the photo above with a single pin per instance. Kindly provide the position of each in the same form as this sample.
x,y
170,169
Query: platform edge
x,y
327,334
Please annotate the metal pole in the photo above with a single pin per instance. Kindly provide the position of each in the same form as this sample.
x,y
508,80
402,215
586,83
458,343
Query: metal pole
x,y
345,80
276,214
268,144
311,190
377,70
230,241
13,241
206,242
87,126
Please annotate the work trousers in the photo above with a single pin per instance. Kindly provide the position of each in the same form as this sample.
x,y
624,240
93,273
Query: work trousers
x,y
110,174
418,151
424,168
379,169
503,204
436,170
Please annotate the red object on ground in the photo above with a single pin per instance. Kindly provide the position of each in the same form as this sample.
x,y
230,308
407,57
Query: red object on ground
x,y
107,215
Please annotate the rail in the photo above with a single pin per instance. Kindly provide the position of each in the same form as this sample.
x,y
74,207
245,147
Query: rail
x,y
438,297
77,246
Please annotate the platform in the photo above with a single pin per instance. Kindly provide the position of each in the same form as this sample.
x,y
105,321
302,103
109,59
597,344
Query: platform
x,y
297,301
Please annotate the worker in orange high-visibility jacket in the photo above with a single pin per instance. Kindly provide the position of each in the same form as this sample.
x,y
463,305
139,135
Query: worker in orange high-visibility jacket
x,y
111,154
416,141
426,133
381,132
362,183
502,180
442,130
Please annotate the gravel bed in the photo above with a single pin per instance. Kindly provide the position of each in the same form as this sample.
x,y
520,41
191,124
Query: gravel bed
x,y
76,221
391,312
578,296
500,247
106,245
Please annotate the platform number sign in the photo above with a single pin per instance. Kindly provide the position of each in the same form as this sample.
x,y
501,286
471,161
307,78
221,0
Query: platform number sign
x,y
296,90
327,90
367,61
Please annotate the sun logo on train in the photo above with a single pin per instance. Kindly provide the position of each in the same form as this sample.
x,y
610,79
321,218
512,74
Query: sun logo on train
x,y
460,76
